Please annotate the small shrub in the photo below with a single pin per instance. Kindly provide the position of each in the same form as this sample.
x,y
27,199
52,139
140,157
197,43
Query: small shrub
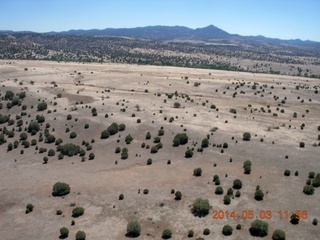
x,y
133,228
60,189
247,167
117,150
42,106
259,228
64,232
302,144
238,194
166,234
121,196
145,191
308,189
178,195
122,127
29,208
124,153
149,161
105,134
316,181
128,139
315,222
190,233
206,231
180,139
148,135
154,149
226,199
51,153
77,212
258,195
227,230
278,235
73,135
189,153
246,136
176,105
237,184
219,190
80,235
287,172
200,207
197,172
294,219
91,156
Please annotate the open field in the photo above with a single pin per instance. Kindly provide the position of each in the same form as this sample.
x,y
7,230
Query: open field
x,y
278,111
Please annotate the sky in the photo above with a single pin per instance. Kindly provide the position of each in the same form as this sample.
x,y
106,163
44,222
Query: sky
x,y
284,19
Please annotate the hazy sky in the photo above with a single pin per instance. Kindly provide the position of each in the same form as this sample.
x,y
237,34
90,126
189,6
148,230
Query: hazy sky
x,y
285,19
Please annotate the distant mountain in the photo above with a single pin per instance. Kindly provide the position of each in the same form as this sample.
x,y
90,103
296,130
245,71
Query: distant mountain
x,y
156,33
175,33
169,33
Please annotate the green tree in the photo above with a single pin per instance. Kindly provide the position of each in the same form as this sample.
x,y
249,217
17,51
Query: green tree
x,y
180,139
178,195
124,153
9,95
80,235
278,235
258,195
205,143
294,219
197,172
226,199
227,230
64,232
259,228
206,231
91,156
128,139
246,136
60,189
33,127
237,184
113,128
149,161
219,190
77,212
166,234
42,106
133,228
189,153
105,134
247,167
122,127
148,135
121,196
200,207
308,189
316,181
190,233
29,208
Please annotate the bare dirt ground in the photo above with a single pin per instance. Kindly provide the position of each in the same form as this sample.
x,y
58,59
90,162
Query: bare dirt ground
x,y
117,90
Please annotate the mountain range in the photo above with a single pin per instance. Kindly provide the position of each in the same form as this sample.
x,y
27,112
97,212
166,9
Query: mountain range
x,y
175,33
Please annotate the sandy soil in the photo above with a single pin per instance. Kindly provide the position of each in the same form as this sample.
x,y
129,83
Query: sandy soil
x,y
97,184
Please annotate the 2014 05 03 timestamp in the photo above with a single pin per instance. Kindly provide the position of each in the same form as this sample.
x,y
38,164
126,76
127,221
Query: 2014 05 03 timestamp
x,y
262,214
